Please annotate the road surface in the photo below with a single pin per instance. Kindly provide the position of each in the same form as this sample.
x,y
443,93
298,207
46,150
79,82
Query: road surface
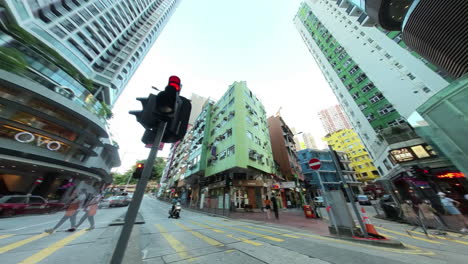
x,y
200,238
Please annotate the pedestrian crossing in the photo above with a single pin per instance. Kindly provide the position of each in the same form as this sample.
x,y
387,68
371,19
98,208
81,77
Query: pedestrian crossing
x,y
185,237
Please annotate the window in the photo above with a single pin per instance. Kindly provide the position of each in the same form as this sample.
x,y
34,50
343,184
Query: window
x,y
347,62
355,96
377,97
342,56
231,102
370,117
426,90
386,109
396,122
257,140
230,151
363,106
249,134
349,86
411,76
361,78
353,70
368,87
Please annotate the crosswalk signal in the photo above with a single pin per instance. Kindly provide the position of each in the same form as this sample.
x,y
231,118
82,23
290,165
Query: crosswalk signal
x,y
138,170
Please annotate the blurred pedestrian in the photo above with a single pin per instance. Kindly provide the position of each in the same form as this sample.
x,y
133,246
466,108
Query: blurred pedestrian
x,y
450,206
267,206
275,206
430,214
75,203
90,211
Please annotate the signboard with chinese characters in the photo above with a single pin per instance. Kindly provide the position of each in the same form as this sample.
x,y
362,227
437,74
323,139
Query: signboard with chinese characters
x,y
416,152
285,185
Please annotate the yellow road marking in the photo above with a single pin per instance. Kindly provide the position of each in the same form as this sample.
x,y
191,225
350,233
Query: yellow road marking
x,y
5,236
245,240
231,236
406,235
267,230
443,238
207,227
51,249
175,244
21,243
248,232
230,250
201,236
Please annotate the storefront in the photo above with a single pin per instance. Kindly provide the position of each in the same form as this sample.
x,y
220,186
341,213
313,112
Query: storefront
x,y
248,194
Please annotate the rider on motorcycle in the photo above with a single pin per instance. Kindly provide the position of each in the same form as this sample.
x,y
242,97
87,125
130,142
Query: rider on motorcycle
x,y
174,201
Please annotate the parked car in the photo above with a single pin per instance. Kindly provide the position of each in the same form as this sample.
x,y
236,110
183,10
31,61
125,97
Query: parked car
x,y
22,204
363,200
115,201
318,201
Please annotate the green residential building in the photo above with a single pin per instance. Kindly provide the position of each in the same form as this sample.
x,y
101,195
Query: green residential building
x,y
377,80
228,152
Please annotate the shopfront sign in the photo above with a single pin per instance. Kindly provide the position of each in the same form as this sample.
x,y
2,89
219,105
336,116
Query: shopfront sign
x,y
252,183
412,153
451,175
28,137
286,185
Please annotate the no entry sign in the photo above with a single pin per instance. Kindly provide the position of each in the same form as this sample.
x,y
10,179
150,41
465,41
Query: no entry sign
x,y
314,164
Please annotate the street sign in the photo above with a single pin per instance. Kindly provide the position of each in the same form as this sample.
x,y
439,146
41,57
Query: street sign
x,y
39,180
314,164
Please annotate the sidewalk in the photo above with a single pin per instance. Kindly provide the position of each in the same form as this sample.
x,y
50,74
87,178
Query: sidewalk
x,y
287,217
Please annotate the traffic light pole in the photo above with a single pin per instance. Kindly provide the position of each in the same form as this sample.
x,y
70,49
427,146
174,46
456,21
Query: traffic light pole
x,y
348,190
134,206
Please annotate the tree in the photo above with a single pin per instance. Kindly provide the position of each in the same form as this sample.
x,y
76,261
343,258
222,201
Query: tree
x,y
156,173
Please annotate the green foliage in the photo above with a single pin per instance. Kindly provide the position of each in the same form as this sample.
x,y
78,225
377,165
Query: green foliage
x,y
48,53
105,111
158,167
12,60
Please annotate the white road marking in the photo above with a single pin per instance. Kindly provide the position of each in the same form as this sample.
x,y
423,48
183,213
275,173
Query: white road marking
x,y
30,226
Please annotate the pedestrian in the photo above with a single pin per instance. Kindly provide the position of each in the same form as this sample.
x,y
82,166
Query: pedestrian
x,y
275,206
75,203
90,211
450,206
288,203
267,206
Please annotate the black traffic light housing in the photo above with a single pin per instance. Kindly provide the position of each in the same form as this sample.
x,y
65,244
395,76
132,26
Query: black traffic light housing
x,y
166,106
138,170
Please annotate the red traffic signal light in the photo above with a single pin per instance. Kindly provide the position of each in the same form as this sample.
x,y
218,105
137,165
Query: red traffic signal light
x,y
174,81
140,165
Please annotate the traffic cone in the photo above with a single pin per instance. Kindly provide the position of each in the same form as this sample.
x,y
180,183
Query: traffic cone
x,y
369,226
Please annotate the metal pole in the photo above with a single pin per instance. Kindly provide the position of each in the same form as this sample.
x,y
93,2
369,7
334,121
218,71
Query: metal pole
x,y
325,200
132,211
128,181
349,192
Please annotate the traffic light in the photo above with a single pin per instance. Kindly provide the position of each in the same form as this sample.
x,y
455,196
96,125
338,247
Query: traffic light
x,y
174,109
166,106
146,116
138,170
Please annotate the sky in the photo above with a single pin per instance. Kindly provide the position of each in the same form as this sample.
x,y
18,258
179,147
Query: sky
x,y
210,44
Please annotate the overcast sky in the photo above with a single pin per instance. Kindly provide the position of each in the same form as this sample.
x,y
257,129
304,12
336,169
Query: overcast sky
x,y
210,44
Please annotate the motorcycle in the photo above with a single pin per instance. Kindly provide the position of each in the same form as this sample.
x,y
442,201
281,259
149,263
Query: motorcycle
x,y
176,212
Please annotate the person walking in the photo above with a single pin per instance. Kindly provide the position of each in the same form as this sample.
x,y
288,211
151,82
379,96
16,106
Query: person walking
x,y
76,202
275,206
450,206
267,206
90,212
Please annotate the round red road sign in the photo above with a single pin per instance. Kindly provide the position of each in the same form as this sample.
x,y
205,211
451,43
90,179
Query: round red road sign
x,y
314,164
